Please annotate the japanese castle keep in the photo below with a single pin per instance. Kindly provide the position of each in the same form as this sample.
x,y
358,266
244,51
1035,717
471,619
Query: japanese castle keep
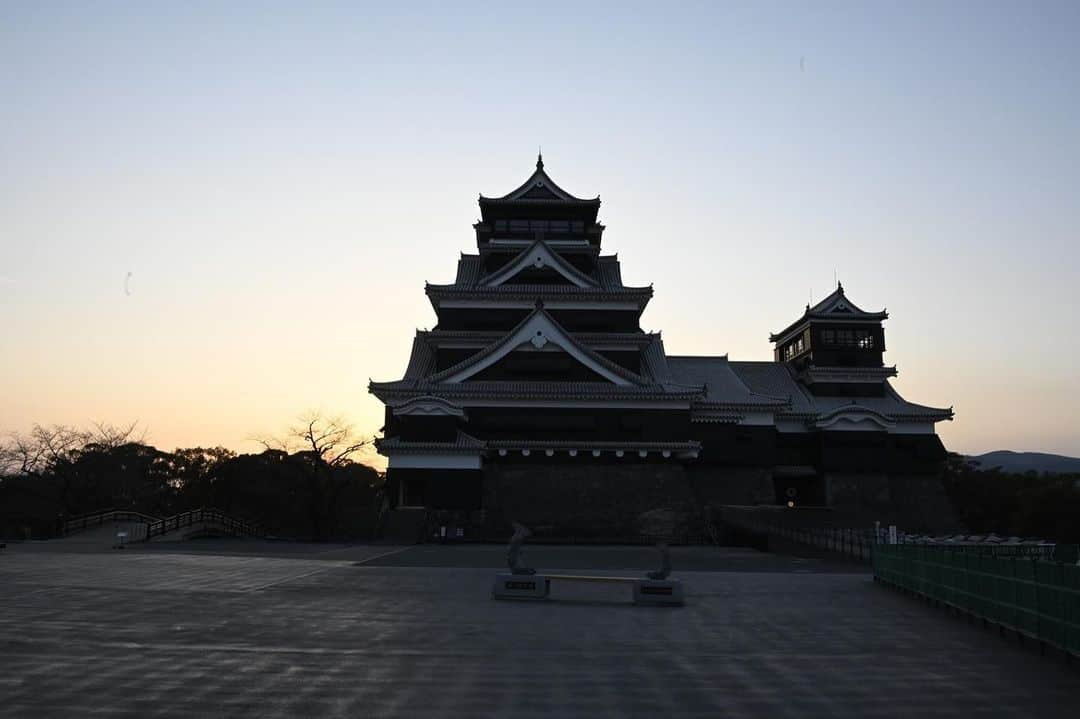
x,y
538,398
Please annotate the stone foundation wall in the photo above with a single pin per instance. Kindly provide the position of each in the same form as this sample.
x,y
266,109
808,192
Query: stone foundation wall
x,y
592,501
648,501
716,486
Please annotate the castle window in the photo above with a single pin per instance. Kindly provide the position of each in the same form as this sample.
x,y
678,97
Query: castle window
x,y
793,349
861,339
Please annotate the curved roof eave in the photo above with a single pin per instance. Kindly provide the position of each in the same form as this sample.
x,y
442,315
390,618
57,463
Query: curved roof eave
x,y
539,179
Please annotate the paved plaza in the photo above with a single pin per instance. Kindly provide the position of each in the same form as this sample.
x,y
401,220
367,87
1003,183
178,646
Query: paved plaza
x,y
256,629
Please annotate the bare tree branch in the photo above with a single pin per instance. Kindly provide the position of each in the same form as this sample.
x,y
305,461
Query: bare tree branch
x,y
329,441
47,448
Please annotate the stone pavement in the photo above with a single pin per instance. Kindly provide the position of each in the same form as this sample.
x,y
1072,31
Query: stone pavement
x,y
264,630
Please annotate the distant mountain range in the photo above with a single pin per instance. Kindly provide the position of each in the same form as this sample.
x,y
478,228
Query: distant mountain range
x,y
1028,461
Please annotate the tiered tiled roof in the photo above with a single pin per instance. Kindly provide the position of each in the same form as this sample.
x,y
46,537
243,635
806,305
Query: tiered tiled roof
x,y
779,379
655,380
537,254
891,405
471,281
640,295
525,390
461,444
591,339
834,307
469,270
774,379
609,271
722,386
714,389
538,188
563,338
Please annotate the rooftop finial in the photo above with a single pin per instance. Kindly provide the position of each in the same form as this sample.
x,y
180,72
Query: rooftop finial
x,y
839,287
539,158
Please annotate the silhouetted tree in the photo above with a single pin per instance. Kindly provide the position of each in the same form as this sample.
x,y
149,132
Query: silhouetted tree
x,y
326,448
1027,505
195,471
315,491
56,451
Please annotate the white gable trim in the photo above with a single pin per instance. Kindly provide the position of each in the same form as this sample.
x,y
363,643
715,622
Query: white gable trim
x,y
538,331
540,179
537,256
428,406
855,418
836,303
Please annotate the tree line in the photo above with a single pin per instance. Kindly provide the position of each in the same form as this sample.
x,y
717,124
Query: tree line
x,y
307,484
986,499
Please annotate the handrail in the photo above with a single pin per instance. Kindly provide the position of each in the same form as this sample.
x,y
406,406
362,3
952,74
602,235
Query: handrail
x,y
156,526
858,543
94,519
231,526
854,543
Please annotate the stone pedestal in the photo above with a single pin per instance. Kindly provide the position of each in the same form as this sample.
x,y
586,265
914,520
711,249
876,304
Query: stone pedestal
x,y
667,592
520,586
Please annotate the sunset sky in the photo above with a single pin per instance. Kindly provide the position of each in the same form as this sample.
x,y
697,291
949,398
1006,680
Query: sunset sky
x,y
279,181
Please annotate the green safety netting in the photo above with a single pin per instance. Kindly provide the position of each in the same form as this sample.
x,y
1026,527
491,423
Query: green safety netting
x,y
1037,597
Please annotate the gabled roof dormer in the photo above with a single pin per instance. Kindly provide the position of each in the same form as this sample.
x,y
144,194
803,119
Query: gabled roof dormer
x,y
538,332
539,187
837,307
537,256
539,197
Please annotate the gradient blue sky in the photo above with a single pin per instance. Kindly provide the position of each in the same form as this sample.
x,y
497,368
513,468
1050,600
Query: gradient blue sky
x,y
281,179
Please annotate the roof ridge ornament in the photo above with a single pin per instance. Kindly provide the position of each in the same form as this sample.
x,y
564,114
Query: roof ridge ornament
x,y
539,158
